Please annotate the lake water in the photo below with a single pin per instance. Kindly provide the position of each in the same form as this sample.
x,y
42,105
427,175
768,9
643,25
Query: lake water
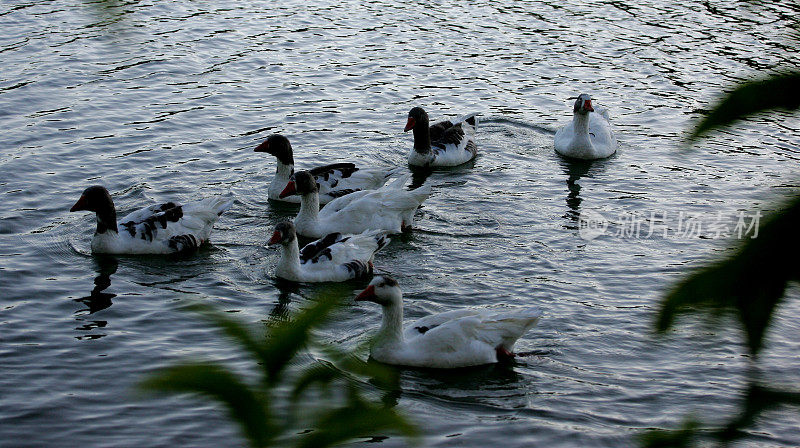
x,y
166,101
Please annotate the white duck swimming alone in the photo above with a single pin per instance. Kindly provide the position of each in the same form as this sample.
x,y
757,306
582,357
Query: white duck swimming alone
x,y
589,135
158,229
390,208
334,258
446,143
335,180
460,338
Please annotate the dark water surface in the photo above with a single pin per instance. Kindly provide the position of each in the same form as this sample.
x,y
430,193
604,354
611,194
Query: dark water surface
x,y
166,100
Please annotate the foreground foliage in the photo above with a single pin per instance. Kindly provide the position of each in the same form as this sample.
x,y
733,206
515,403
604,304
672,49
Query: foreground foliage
x,y
750,284
265,417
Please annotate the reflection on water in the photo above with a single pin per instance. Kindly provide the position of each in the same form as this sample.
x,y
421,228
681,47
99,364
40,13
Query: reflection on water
x,y
97,300
176,116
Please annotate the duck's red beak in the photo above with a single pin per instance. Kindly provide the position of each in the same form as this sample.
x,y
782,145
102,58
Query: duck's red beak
x,y
587,106
263,147
367,294
276,238
290,189
410,124
82,204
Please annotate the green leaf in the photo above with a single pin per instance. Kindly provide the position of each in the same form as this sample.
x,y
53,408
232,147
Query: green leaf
x,y
750,283
285,339
357,419
780,91
757,400
680,438
321,374
234,329
216,382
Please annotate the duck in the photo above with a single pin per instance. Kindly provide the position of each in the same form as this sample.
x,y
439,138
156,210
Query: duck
x,y
443,144
453,339
157,229
332,258
335,180
589,136
389,208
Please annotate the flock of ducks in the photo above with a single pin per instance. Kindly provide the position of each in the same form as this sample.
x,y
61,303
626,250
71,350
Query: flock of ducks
x,y
361,210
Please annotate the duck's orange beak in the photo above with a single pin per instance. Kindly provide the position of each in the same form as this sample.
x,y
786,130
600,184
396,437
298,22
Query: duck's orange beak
x,y
82,204
587,106
290,189
367,294
410,124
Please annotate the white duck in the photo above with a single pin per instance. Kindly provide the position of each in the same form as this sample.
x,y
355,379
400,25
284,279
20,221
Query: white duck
x,y
460,338
389,208
158,229
446,143
335,180
334,258
589,135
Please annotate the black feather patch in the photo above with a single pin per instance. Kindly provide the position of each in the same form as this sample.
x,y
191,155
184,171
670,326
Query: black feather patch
x,y
358,268
312,251
422,329
324,172
148,228
453,135
342,192
183,243
437,130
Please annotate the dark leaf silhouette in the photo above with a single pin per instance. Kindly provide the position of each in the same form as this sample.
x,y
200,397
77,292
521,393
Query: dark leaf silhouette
x,y
274,350
217,382
781,91
750,283
757,400
680,438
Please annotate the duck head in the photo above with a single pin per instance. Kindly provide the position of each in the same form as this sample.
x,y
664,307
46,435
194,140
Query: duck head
x,y
97,199
583,104
382,290
302,184
284,233
278,146
417,117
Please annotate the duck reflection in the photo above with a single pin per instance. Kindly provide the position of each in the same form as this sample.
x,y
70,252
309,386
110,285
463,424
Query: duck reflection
x,y
98,300
575,170
280,312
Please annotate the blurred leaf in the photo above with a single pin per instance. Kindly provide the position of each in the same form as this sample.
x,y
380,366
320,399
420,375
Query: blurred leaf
x,y
780,91
680,438
758,399
357,419
750,283
287,338
321,374
233,329
216,382
379,374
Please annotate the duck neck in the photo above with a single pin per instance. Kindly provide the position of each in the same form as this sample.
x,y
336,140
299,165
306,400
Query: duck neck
x,y
422,138
391,331
289,264
106,222
580,124
309,208
283,173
